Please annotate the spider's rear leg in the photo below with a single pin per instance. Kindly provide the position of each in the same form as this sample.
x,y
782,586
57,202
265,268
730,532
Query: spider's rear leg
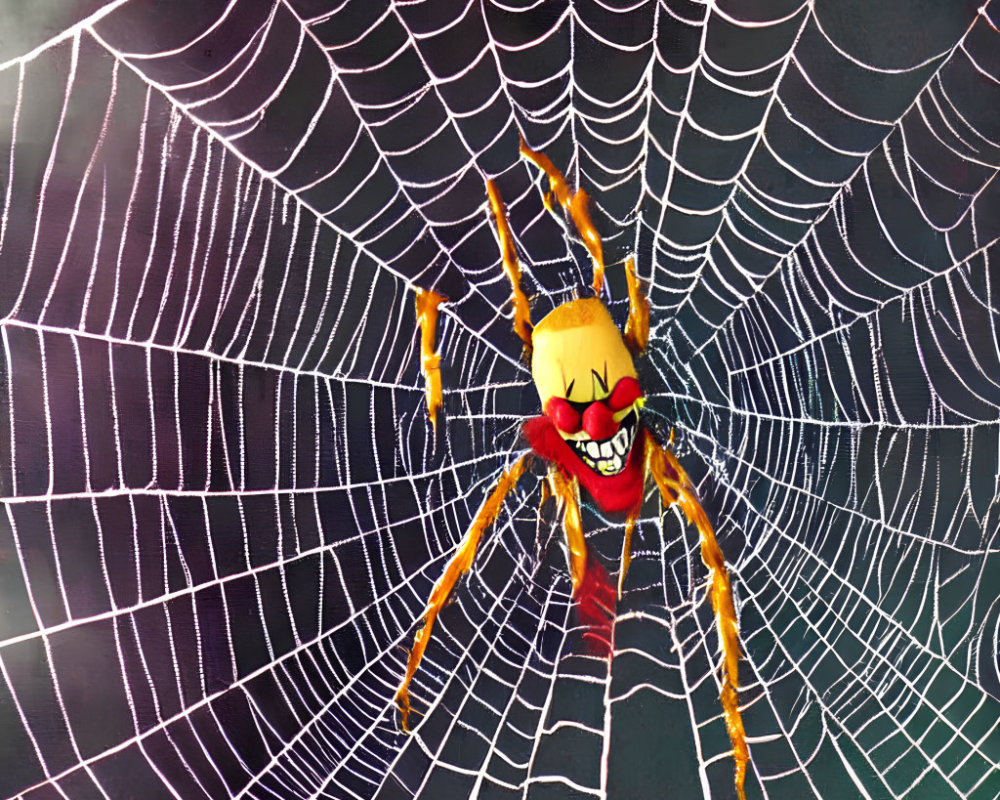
x,y
594,595
676,487
626,559
637,326
457,566
566,491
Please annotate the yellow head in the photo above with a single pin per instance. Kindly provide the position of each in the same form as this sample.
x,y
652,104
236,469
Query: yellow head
x,y
586,382
578,353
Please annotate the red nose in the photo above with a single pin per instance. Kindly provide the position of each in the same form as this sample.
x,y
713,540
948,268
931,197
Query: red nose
x,y
566,418
599,421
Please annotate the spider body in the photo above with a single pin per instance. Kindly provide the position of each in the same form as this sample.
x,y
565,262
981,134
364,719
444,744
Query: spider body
x,y
591,436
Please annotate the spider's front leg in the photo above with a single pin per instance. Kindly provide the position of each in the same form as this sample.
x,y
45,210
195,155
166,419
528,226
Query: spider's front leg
x,y
511,266
457,566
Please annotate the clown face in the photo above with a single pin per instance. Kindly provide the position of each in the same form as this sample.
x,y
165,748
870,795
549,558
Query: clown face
x,y
587,383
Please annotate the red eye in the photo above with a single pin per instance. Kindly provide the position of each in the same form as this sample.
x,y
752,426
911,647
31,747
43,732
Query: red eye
x,y
625,393
566,418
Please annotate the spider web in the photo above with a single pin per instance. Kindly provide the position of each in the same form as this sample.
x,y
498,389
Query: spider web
x,y
225,507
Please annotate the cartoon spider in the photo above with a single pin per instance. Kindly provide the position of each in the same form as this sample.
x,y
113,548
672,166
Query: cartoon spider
x,y
591,435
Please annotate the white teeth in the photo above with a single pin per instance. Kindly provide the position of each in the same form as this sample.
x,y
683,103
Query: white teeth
x,y
607,457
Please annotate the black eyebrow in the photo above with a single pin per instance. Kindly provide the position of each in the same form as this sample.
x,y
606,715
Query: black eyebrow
x,y
569,389
602,381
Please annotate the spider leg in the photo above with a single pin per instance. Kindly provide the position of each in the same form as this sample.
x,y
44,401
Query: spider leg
x,y
430,361
511,267
593,595
637,326
575,205
457,566
566,491
676,487
626,560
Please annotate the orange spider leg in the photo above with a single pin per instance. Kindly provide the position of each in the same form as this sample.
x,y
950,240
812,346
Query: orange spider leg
x,y
633,515
511,267
576,205
546,493
637,326
430,361
636,337
675,486
458,566
566,491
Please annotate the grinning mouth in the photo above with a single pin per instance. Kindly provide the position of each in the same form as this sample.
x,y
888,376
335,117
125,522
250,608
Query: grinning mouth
x,y
608,456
